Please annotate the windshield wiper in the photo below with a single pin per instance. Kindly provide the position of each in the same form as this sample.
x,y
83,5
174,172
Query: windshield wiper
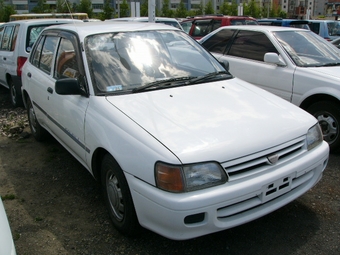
x,y
183,81
161,83
329,64
207,76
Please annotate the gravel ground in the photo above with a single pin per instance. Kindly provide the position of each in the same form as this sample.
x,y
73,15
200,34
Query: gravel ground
x,y
55,207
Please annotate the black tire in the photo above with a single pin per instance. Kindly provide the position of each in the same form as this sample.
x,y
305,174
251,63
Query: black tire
x,y
118,198
328,115
37,131
15,95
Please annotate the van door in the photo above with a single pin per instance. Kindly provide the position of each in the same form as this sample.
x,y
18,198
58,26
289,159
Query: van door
x,y
6,52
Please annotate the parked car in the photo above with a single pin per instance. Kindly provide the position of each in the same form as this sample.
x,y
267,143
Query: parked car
x,y
292,63
298,23
16,41
180,146
167,21
203,25
6,239
328,29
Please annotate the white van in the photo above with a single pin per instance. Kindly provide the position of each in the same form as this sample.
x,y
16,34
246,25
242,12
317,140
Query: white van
x,y
16,41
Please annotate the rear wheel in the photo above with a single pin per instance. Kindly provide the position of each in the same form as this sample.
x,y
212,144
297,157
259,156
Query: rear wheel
x,y
38,131
118,197
15,96
328,115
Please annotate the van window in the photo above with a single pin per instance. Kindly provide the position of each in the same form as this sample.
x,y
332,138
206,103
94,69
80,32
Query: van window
x,y
15,35
2,28
32,35
6,39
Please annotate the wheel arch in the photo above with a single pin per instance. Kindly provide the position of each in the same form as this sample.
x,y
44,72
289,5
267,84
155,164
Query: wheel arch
x,y
96,162
25,97
307,102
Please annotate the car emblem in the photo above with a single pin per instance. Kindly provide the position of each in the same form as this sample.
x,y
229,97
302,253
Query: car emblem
x,y
273,159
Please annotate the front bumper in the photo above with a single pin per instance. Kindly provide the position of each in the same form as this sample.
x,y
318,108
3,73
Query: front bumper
x,y
189,215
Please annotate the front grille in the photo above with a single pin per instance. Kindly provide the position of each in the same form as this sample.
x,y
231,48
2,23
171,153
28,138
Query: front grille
x,y
259,162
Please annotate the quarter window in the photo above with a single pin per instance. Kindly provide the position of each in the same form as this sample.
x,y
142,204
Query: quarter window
x,y
251,45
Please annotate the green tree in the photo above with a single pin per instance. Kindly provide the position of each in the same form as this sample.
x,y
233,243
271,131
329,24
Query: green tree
x,y
63,6
200,9
41,7
86,7
209,9
144,8
166,11
6,11
108,11
229,8
124,9
181,11
252,9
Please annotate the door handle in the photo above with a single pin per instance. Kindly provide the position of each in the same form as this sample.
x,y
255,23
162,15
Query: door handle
x,y
29,75
50,90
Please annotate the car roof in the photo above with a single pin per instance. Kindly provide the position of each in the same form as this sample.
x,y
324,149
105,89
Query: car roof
x,y
43,21
261,28
84,29
218,17
142,18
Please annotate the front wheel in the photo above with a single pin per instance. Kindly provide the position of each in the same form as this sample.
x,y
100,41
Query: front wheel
x,y
328,115
118,197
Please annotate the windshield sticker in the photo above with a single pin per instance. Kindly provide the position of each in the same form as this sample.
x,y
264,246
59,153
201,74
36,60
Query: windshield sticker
x,y
114,88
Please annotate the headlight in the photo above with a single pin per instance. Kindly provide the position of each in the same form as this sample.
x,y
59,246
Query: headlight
x,y
314,137
189,177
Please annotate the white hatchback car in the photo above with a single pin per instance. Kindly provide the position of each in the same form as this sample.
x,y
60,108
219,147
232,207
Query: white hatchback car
x,y
293,63
16,41
181,146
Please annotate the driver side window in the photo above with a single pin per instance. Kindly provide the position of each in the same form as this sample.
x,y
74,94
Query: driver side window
x,y
66,61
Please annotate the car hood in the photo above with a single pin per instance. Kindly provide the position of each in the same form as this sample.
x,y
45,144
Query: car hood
x,y
329,71
215,121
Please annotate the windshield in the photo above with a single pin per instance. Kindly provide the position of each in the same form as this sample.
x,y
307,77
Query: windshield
x,y
307,49
122,62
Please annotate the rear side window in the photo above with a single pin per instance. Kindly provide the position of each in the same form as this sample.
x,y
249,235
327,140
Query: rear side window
x,y
202,27
315,27
251,45
219,41
43,54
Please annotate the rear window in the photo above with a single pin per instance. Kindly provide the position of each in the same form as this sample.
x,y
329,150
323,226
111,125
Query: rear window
x,y
243,22
32,35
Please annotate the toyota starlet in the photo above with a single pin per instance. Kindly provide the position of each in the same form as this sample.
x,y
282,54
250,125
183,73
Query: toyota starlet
x,y
180,146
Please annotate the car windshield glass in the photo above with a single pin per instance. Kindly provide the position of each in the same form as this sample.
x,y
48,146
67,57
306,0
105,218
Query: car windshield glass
x,y
121,62
307,49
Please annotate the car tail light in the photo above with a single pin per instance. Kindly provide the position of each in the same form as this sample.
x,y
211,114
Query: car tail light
x,y
21,61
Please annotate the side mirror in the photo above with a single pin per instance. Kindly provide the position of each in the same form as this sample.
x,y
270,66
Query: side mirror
x,y
67,86
273,58
225,64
